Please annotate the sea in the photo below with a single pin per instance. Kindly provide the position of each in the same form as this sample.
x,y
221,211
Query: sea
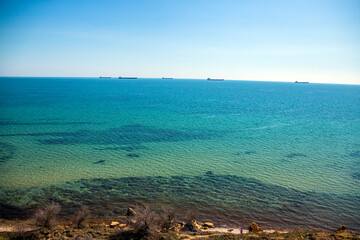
x,y
285,155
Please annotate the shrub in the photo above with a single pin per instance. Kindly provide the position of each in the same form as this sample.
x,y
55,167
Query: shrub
x,y
81,216
146,221
46,216
146,224
167,217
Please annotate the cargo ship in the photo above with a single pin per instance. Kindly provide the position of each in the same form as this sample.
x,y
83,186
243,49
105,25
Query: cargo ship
x,y
167,78
127,77
215,79
301,82
104,77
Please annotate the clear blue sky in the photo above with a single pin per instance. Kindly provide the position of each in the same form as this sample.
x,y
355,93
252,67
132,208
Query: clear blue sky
x,y
312,40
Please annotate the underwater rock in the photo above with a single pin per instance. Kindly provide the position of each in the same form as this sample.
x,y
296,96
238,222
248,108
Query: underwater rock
x,y
250,152
130,212
209,173
99,162
341,229
293,155
355,154
7,151
356,175
254,228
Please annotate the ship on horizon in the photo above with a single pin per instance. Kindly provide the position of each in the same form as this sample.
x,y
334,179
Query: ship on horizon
x,y
127,77
104,77
301,82
167,78
215,79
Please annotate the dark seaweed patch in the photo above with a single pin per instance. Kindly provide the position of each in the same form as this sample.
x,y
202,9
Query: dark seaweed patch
x,y
209,173
295,155
132,148
9,123
356,175
246,152
126,148
250,152
99,162
7,151
125,135
355,154
133,155
220,198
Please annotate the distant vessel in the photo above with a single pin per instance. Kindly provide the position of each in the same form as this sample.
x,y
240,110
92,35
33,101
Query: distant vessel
x,y
301,82
167,78
127,77
104,77
215,79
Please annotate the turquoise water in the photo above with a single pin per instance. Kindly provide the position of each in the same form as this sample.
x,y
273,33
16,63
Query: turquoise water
x,y
282,154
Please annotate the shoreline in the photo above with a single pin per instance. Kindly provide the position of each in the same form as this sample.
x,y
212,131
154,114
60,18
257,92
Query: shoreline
x,y
160,224
109,229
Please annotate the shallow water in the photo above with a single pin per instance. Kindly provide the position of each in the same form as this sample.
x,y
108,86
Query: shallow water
x,y
283,154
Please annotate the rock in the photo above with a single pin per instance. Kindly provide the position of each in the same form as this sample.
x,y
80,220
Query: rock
x,y
174,228
310,236
254,228
342,229
114,224
192,226
122,225
130,212
207,225
180,224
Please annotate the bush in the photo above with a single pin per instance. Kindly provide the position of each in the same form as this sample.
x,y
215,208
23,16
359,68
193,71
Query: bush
x,y
146,221
81,216
46,216
167,217
146,224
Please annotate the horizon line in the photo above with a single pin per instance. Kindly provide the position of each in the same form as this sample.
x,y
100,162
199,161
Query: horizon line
x,y
174,78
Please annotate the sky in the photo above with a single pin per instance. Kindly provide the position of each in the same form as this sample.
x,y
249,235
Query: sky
x,y
307,40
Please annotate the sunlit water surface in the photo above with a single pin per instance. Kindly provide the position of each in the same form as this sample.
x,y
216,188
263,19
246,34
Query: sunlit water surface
x,y
282,154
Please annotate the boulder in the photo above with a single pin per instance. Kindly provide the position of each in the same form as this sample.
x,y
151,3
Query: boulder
x,y
342,229
130,212
254,228
207,225
191,226
114,224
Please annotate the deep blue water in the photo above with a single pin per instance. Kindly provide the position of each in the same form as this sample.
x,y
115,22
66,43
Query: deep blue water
x,y
281,154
